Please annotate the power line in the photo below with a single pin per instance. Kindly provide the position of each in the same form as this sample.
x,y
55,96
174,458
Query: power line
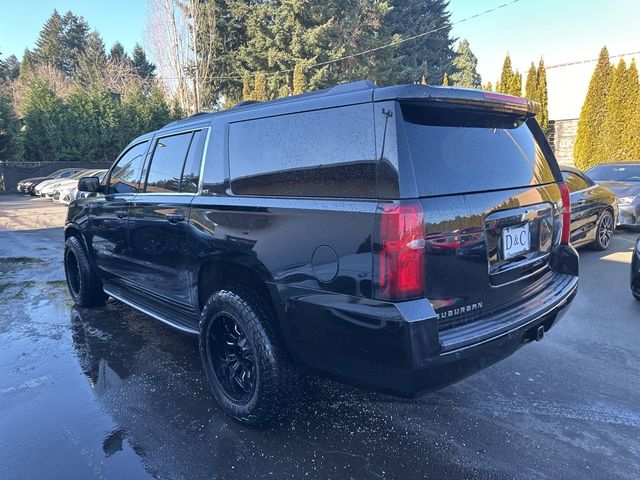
x,y
375,49
579,62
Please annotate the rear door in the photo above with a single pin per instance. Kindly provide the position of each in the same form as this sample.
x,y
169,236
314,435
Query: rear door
x,y
159,217
492,206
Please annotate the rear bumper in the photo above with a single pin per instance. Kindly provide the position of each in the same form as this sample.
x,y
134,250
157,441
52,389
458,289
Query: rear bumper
x,y
396,348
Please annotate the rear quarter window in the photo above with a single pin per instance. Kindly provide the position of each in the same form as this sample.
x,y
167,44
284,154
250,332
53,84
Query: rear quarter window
x,y
459,152
323,153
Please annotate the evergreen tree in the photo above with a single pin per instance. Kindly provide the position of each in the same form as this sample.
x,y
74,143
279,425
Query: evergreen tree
x,y
44,120
587,150
619,114
260,87
431,55
143,67
542,96
9,131
118,54
12,68
445,80
27,64
49,46
631,137
465,64
515,84
531,85
74,38
298,79
246,86
488,87
92,63
506,77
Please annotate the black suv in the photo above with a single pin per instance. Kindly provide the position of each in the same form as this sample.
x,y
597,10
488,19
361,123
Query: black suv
x,y
395,238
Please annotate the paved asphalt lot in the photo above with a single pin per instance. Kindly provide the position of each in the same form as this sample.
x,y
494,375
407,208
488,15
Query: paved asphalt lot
x,y
111,393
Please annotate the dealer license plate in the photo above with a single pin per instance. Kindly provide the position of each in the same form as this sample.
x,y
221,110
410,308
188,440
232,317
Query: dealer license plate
x,y
515,241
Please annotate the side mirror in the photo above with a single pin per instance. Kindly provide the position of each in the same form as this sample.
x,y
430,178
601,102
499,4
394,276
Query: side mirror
x,y
89,184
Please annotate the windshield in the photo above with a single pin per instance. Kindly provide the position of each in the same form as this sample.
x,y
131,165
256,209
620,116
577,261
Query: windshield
x,y
615,173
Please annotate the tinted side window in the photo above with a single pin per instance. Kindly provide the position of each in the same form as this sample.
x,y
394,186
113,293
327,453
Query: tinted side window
x,y
574,182
325,153
125,176
167,162
191,172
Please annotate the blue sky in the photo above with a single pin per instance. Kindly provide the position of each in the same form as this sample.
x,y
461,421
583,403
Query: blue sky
x,y
559,30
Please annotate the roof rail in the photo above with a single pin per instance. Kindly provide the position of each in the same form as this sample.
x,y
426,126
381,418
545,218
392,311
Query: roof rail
x,y
245,102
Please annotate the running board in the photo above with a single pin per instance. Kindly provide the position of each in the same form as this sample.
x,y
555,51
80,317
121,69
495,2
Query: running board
x,y
128,298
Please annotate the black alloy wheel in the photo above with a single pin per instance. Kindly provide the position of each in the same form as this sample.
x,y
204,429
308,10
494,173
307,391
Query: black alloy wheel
x,y
604,231
232,358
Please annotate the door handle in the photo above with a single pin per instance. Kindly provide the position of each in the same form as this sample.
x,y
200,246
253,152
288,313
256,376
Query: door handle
x,y
121,213
174,217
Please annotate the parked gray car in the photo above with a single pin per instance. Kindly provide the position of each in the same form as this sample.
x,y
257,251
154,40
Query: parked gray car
x,y
623,179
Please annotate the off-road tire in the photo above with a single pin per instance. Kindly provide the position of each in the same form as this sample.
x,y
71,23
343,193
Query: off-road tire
x,y
84,285
275,376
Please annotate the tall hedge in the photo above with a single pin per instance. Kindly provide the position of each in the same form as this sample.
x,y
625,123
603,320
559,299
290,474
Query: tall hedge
x,y
589,147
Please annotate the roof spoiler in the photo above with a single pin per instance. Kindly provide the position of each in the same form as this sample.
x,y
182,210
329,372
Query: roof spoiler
x,y
499,102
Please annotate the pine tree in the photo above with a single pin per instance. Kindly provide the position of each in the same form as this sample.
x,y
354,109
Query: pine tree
x,y
12,68
298,79
445,80
260,87
531,85
118,54
506,77
49,46
74,39
423,80
488,87
587,150
92,63
431,55
27,63
143,67
465,64
542,97
247,94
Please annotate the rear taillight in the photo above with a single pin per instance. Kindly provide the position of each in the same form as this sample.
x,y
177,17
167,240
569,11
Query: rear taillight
x,y
566,213
400,251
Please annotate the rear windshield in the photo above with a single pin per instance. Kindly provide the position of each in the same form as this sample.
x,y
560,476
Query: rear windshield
x,y
466,151
615,173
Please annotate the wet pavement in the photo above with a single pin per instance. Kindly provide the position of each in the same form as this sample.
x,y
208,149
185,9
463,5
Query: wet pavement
x,y
112,393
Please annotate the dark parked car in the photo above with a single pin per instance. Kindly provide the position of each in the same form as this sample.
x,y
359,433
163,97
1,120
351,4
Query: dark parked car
x,y
635,270
28,185
593,210
623,179
396,238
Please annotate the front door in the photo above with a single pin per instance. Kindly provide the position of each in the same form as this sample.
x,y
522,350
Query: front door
x,y
159,218
107,232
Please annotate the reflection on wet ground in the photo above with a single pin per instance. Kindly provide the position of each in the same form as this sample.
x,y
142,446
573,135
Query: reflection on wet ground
x,y
111,393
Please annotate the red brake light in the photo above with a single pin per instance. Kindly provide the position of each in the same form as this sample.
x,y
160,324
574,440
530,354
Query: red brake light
x,y
566,213
401,252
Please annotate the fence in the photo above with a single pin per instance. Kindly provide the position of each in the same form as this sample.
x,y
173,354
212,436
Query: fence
x,y
12,173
